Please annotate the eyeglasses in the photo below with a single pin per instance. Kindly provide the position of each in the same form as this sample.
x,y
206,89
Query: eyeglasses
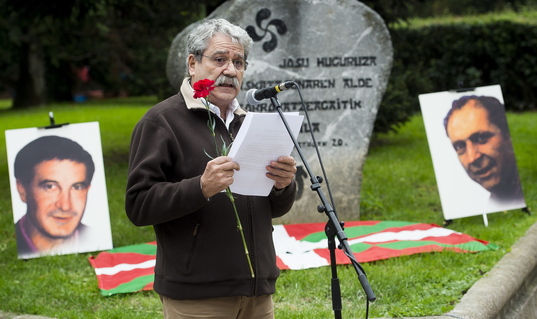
x,y
239,64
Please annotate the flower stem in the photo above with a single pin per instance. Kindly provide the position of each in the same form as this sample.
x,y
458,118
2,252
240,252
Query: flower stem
x,y
211,124
239,226
202,89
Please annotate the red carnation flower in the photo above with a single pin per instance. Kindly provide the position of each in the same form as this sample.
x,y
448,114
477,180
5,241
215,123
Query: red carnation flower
x,y
202,88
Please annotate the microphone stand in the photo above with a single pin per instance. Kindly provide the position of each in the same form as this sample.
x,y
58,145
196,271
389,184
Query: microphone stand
x,y
333,228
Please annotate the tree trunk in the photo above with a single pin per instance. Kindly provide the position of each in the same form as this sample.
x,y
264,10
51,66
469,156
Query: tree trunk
x,y
30,89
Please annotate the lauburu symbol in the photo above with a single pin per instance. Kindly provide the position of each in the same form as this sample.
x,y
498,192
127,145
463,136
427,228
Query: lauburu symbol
x,y
280,26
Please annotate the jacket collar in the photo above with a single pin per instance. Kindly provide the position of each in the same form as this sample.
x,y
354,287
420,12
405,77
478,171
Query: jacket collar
x,y
192,103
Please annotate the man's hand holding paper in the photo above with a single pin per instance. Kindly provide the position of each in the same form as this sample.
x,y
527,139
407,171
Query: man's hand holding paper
x,y
262,148
282,171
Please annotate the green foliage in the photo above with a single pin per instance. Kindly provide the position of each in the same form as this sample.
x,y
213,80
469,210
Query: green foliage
x,y
125,45
399,103
395,11
398,184
469,55
440,54
465,7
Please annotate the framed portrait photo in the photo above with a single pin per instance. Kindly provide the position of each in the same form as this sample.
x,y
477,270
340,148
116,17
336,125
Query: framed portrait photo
x,y
58,190
472,151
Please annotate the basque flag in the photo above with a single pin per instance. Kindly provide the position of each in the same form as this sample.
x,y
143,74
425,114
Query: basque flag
x,y
298,246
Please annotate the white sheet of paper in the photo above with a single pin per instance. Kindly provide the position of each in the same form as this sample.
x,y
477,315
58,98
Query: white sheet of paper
x,y
261,139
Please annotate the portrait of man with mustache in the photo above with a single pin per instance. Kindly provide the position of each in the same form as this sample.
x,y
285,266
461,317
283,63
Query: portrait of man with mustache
x,y
177,181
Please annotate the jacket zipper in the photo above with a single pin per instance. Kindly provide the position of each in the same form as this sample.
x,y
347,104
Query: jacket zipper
x,y
193,248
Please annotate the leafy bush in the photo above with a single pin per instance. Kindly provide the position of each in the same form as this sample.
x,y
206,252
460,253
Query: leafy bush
x,y
460,53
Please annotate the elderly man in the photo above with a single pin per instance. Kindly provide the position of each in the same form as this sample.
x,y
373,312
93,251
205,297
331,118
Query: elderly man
x,y
201,269
477,128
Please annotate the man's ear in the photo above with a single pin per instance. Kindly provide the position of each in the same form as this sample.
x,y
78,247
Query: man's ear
x,y
22,191
191,63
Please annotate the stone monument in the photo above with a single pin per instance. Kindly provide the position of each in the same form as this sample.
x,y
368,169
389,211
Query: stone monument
x,y
339,53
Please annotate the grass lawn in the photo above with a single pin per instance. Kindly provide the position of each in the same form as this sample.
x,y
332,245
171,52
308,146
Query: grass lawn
x,y
398,184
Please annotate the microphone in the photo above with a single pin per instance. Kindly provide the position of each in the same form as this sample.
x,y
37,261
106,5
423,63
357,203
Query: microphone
x,y
254,96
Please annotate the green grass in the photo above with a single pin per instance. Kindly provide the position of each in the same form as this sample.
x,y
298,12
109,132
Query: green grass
x,y
398,184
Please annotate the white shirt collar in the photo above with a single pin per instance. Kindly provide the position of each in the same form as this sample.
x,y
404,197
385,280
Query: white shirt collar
x,y
230,111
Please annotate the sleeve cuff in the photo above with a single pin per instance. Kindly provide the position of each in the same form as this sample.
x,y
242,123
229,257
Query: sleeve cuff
x,y
277,191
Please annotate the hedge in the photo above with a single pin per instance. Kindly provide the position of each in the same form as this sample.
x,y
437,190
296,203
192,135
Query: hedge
x,y
435,58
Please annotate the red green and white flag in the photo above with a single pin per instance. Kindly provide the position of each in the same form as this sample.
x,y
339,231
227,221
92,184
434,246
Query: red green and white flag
x,y
298,246
302,246
125,269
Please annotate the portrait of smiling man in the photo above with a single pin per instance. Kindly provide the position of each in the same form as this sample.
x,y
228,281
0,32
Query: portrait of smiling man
x,y
53,176
478,131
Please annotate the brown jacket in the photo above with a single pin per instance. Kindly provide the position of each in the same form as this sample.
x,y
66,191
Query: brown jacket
x,y
199,249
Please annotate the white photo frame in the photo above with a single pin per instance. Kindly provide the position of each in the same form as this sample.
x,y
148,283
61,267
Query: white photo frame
x,y
96,215
460,196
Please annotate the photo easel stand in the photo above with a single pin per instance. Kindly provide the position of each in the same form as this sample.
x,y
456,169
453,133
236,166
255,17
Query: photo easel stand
x,y
52,123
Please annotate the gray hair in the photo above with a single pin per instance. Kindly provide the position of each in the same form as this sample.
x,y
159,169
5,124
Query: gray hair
x,y
198,40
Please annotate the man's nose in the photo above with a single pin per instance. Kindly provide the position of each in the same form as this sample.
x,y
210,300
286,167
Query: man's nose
x,y
230,69
472,152
64,201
